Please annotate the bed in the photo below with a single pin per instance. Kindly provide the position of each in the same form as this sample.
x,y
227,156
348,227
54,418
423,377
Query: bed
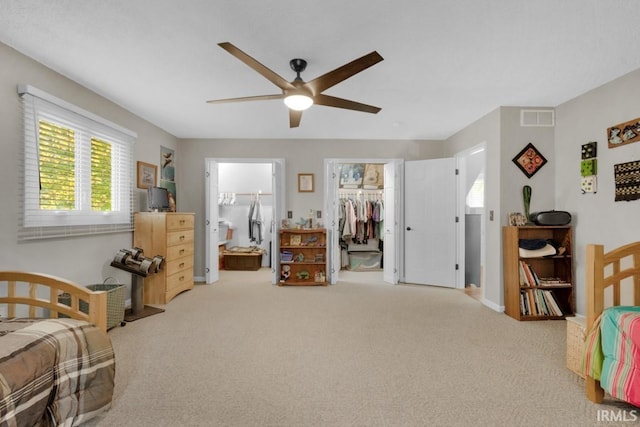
x,y
611,359
57,365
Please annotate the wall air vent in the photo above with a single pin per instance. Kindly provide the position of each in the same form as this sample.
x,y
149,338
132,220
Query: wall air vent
x,y
538,118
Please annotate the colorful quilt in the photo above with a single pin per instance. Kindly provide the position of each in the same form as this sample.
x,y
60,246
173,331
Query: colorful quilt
x,y
54,372
612,353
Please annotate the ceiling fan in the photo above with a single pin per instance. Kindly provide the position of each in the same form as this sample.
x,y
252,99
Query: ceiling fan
x,y
299,95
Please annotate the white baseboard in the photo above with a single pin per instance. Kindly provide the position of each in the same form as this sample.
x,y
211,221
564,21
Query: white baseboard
x,y
493,306
198,279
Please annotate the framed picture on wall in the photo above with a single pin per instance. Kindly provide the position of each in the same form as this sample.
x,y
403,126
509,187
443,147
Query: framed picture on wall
x,y
147,175
305,183
351,175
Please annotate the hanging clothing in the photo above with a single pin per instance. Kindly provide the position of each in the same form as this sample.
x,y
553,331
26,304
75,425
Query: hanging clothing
x,y
251,210
256,221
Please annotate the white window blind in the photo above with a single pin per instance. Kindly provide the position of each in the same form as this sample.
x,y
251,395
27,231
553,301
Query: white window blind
x,y
78,170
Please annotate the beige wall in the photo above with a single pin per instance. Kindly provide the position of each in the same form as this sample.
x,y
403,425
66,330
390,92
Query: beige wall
x,y
300,156
597,218
82,259
487,130
503,137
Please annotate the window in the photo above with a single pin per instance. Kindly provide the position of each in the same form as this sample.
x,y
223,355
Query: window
x,y
78,170
475,196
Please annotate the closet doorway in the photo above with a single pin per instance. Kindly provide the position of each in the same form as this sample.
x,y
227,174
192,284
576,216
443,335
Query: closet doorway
x,y
471,211
247,197
363,184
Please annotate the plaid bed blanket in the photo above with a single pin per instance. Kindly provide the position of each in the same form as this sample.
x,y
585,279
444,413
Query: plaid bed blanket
x,y
55,372
612,353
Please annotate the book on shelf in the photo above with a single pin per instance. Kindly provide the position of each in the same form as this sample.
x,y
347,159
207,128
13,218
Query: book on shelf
x,y
553,281
539,302
528,276
554,308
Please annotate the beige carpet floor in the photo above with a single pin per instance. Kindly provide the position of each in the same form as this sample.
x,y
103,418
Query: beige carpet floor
x,y
243,352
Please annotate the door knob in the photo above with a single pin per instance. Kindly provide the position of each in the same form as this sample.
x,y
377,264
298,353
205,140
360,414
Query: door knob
x,y
408,228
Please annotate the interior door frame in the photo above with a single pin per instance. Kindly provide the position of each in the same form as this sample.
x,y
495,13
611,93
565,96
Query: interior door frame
x,y
391,272
461,158
211,215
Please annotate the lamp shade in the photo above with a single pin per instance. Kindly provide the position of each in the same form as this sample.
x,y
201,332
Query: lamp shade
x,y
298,102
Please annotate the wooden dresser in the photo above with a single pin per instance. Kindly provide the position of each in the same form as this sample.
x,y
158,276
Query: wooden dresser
x,y
169,235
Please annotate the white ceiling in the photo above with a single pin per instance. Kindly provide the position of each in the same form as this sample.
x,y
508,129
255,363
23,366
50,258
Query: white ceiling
x,y
446,62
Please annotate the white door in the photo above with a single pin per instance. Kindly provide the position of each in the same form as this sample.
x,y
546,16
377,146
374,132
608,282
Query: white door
x,y
211,221
430,222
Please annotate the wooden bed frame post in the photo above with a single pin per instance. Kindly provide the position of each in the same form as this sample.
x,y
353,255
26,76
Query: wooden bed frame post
x,y
595,305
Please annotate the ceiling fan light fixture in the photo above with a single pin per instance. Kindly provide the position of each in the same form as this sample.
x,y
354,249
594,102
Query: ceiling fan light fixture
x,y
298,102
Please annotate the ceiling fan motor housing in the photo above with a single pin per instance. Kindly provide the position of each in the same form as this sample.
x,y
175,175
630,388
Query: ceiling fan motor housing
x,y
298,65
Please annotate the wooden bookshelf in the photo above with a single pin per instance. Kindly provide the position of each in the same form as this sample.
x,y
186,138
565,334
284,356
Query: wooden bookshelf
x,y
538,288
303,257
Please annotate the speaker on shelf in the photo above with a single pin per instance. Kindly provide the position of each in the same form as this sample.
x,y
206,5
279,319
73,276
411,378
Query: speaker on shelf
x,y
551,218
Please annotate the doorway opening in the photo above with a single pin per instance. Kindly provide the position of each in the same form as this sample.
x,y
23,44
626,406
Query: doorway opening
x,y
361,217
244,204
471,242
361,201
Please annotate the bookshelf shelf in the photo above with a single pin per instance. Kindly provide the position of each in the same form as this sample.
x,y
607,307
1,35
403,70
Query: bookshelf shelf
x,y
538,288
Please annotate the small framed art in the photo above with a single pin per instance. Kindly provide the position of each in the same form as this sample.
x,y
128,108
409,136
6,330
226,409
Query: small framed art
x,y
305,183
147,175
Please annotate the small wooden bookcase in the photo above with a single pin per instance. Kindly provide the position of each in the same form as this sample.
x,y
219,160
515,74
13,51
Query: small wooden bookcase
x,y
538,288
303,257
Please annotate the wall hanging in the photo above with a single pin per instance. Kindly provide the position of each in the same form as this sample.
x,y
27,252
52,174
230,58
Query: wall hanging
x,y
624,133
305,183
529,160
589,167
147,175
351,175
373,176
168,175
627,178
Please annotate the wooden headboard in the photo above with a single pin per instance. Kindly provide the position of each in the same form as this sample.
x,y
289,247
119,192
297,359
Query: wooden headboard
x,y
611,263
24,289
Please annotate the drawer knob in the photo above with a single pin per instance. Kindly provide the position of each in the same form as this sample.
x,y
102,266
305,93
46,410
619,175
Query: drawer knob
x,y
181,237
181,264
181,278
182,221
181,251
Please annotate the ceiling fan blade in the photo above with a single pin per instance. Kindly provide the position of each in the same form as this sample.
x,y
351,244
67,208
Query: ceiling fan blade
x,y
334,77
294,118
332,101
251,62
246,98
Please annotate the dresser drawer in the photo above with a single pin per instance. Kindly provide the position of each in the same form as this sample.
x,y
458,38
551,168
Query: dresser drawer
x,y
180,280
179,222
179,251
176,265
179,237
